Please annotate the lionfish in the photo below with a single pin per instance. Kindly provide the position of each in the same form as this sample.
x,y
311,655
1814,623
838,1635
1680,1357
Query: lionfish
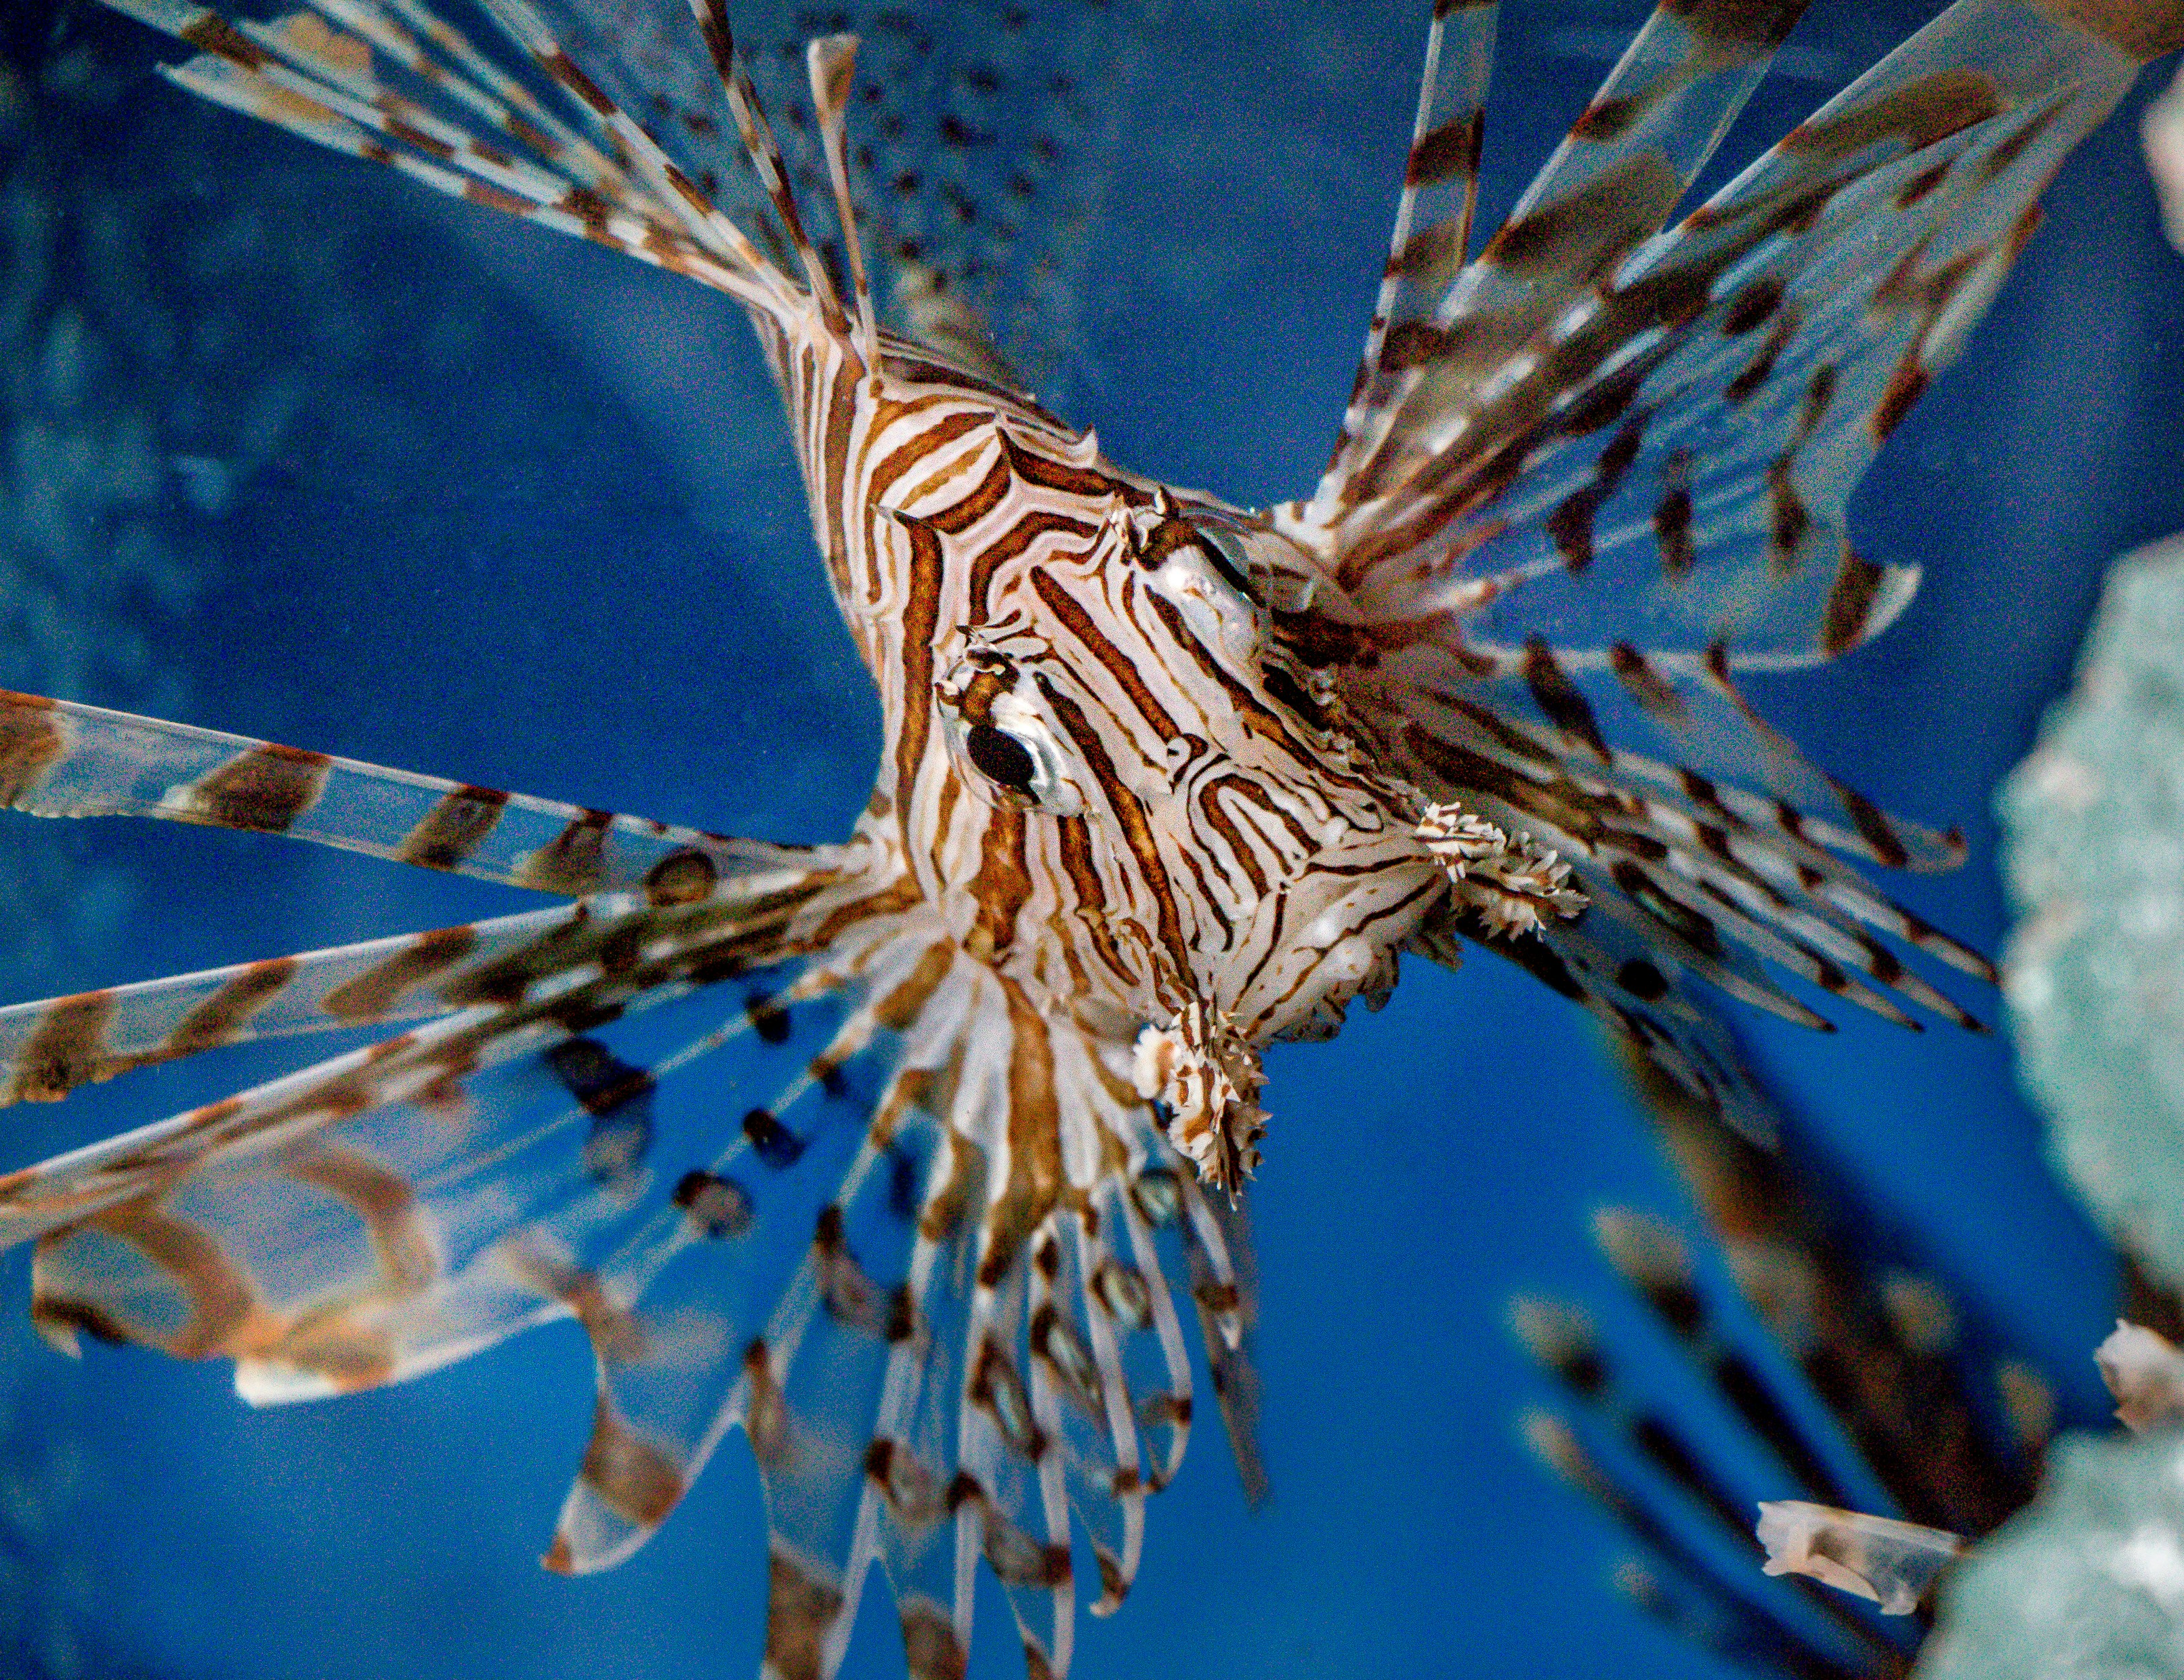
x,y
1164,781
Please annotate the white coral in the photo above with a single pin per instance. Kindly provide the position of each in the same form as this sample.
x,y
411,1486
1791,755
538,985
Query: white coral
x,y
1875,1557
2146,1375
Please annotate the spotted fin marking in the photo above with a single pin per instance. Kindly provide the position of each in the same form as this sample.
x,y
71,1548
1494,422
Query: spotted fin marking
x,y
61,759
654,150
943,1335
989,169
1431,243
985,136
1693,874
577,965
1665,464
431,104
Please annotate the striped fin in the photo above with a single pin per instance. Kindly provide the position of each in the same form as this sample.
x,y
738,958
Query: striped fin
x,y
990,166
559,974
927,1274
953,1367
62,759
1666,464
431,103
1637,1426
832,65
1869,1398
764,153
1653,1258
470,1165
983,144
989,170
586,961
1879,1394
1685,872
1431,243
1608,187
49,1049
1730,1618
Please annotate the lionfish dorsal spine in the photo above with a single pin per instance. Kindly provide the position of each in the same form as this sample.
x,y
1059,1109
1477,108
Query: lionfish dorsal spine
x,y
830,65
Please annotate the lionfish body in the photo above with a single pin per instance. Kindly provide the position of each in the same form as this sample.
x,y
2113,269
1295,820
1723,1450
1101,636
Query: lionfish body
x,y
1163,781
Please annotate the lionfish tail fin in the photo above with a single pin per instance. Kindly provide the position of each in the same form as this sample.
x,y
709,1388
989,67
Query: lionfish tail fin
x,y
925,1265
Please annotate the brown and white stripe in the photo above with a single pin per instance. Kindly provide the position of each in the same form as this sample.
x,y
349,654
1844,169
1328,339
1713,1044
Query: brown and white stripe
x,y
1153,768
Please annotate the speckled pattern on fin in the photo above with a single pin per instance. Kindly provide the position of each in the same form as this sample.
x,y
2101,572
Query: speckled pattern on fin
x,y
1607,436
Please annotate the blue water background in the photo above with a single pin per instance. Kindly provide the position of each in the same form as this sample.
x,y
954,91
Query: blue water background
x,y
534,523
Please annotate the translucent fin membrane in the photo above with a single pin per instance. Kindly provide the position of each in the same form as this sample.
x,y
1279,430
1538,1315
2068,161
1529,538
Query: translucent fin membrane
x,y
924,1265
60,759
1606,434
1880,1391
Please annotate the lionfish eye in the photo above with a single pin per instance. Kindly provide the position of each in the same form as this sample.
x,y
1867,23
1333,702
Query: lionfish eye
x,y
1000,758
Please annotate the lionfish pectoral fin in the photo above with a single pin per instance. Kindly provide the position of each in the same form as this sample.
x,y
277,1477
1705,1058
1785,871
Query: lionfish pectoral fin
x,y
927,1270
958,1348
61,759
1729,856
1610,436
1603,470
1224,1288
358,1221
1892,1397
48,1049
1622,976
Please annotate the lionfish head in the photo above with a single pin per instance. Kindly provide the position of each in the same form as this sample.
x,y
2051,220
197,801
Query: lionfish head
x,y
1169,825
